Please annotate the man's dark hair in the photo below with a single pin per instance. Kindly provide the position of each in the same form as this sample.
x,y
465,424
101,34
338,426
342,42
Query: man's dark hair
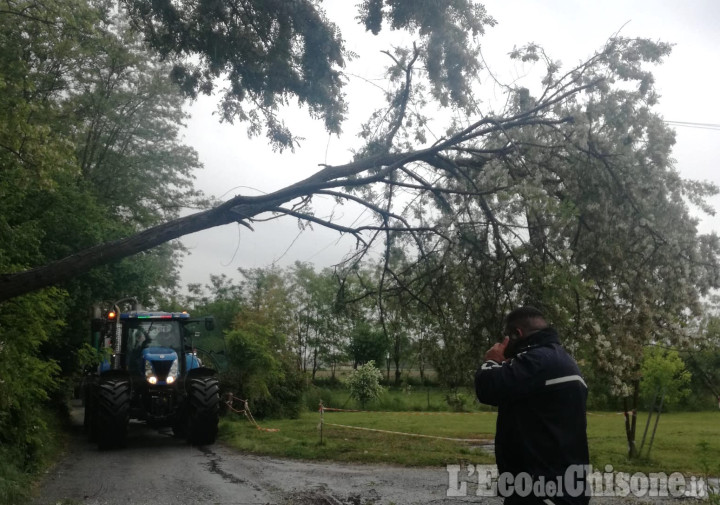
x,y
527,318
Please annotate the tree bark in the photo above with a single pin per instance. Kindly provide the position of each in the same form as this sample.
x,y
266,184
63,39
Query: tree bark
x,y
630,421
238,209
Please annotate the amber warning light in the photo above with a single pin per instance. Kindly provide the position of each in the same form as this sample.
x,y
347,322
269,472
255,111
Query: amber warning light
x,y
111,315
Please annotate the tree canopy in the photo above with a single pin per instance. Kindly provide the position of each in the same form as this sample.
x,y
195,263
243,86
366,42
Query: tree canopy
x,y
89,152
565,194
273,51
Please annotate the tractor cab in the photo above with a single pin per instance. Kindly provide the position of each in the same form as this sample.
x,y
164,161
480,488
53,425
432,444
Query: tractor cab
x,y
153,346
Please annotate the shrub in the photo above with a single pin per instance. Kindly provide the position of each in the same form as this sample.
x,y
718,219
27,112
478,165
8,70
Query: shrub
x,y
456,401
364,383
266,377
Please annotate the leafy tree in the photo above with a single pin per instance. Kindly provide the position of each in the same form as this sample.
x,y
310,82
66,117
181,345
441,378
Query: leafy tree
x,y
262,365
255,367
76,76
586,219
506,160
367,343
364,383
663,375
268,302
126,117
67,69
321,333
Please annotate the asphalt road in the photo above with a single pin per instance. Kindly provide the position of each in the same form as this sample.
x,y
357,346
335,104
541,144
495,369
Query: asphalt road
x,y
157,469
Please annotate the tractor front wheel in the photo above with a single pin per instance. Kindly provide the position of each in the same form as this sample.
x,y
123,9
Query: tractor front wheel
x,y
111,412
203,410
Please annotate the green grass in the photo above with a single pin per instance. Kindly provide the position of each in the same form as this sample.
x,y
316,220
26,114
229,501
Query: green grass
x,y
300,438
685,442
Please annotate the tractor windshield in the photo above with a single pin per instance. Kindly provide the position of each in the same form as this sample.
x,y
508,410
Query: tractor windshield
x,y
149,333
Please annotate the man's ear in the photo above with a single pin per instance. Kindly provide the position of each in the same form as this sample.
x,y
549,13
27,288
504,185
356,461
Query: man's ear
x,y
519,332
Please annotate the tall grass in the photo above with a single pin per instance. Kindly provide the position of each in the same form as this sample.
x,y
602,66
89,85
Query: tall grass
x,y
403,399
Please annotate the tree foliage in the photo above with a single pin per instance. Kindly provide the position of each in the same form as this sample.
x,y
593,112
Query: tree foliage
x,y
270,52
319,324
267,51
663,375
255,319
89,152
567,194
364,383
27,382
366,343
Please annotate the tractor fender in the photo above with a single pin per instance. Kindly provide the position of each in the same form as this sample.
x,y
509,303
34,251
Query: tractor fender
x,y
201,371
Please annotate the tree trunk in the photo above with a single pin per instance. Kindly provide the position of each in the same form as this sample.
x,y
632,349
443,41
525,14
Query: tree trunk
x,y
630,421
239,209
396,358
314,364
421,361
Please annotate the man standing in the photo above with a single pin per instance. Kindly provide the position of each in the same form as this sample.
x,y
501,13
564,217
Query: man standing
x,y
540,441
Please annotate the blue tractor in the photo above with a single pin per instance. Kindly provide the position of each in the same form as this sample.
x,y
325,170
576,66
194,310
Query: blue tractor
x,y
150,373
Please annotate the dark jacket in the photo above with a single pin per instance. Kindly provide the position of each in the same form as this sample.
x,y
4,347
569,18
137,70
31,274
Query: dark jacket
x,y
540,395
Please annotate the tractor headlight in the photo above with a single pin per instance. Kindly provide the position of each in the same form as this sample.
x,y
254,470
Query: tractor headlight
x,y
173,373
149,373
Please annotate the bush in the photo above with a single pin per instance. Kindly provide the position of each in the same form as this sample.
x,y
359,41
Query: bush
x,y
28,383
364,383
663,374
286,396
268,379
456,401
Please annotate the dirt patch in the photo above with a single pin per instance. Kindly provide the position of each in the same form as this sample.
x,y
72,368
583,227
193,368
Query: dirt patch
x,y
324,497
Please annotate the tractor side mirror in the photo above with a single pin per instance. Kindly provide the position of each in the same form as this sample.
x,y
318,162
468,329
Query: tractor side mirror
x,y
209,323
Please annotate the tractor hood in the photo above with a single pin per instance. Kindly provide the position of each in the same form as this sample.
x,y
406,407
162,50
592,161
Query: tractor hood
x,y
159,354
161,365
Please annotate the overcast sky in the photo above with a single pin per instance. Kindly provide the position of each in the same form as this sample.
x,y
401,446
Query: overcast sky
x,y
569,30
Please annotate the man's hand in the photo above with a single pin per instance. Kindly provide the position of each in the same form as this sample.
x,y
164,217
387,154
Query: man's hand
x,y
497,352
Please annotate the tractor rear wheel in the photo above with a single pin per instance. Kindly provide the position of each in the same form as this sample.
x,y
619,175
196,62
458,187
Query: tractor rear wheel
x,y
203,410
111,412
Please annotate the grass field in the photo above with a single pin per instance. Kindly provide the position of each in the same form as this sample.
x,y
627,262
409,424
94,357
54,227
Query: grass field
x,y
685,442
